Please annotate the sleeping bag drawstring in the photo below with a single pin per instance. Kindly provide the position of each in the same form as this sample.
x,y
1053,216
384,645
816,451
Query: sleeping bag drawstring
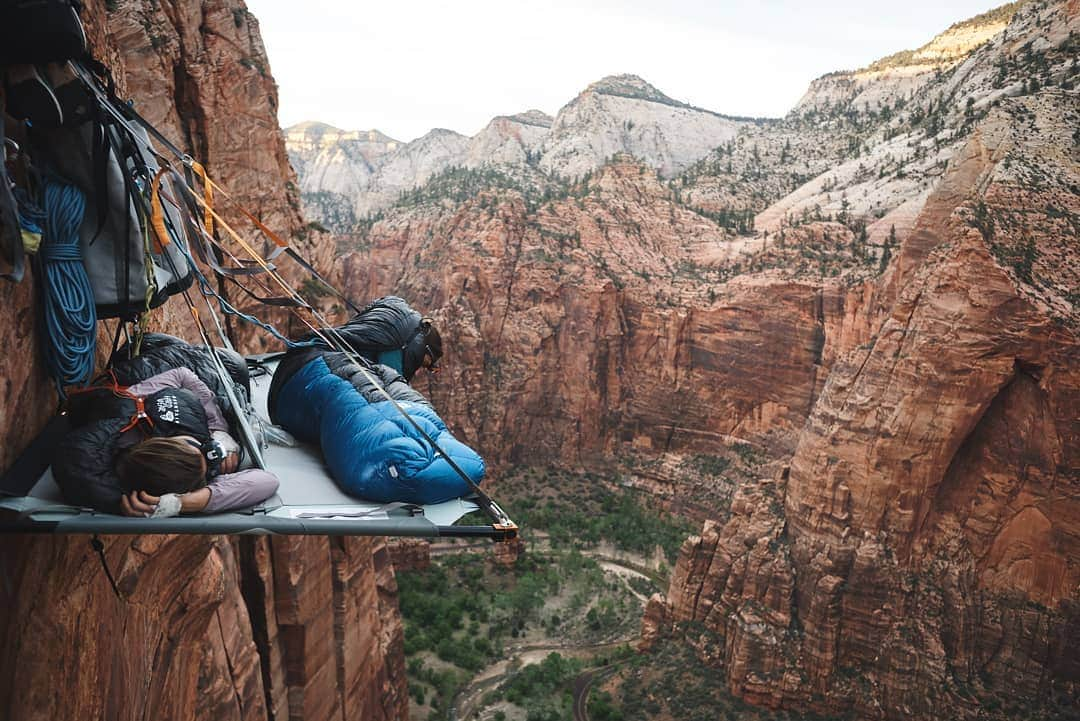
x,y
70,317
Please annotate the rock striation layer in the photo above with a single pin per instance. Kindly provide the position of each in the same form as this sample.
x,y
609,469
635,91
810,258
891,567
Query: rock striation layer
x,y
575,323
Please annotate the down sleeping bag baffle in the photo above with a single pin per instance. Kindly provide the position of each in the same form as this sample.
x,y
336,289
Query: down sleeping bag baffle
x,y
372,451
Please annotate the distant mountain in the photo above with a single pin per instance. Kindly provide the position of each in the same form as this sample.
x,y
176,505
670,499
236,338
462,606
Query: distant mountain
x,y
902,74
625,114
346,175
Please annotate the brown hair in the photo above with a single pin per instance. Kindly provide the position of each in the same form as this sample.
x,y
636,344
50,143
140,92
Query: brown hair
x,y
162,465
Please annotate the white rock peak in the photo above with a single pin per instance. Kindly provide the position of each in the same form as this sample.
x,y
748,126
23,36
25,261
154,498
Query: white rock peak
x,y
617,114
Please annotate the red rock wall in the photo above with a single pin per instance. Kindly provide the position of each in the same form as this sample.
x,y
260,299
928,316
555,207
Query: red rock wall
x,y
305,629
200,628
923,552
584,329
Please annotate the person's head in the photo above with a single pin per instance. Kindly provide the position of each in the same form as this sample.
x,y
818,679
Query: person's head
x,y
163,465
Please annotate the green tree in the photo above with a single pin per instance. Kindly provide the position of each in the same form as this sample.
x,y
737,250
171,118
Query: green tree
x,y
886,252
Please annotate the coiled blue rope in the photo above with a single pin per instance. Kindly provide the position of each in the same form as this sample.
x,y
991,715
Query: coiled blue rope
x,y
70,316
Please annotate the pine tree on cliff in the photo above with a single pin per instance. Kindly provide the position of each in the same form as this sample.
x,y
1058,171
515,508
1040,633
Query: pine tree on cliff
x,y
886,253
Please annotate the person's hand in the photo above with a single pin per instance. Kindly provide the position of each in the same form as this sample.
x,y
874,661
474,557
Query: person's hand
x,y
170,505
139,503
230,462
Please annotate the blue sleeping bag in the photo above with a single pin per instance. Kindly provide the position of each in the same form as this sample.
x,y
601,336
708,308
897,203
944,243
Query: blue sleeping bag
x,y
372,451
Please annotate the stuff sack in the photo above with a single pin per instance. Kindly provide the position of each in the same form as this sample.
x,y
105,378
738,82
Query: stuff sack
x,y
40,31
129,271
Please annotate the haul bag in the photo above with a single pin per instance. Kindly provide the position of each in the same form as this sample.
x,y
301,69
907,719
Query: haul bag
x,y
40,31
113,236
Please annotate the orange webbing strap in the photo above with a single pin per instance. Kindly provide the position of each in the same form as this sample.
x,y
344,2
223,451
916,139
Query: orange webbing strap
x,y
281,244
122,392
208,197
247,247
250,216
140,414
157,213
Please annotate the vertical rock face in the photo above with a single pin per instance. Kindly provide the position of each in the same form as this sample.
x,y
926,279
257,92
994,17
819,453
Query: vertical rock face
x,y
931,545
625,114
197,627
200,628
576,325
199,72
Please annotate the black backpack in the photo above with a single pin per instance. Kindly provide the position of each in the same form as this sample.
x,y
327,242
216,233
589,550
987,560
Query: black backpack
x,y
40,31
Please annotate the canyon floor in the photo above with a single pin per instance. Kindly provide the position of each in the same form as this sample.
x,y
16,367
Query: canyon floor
x,y
551,633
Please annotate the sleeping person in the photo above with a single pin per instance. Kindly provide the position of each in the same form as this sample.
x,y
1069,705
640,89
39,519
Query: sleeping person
x,y
153,440
182,459
374,450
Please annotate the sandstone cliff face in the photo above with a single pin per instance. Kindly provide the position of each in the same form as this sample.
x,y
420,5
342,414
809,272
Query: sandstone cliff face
x,y
335,166
917,553
624,114
925,555
920,554
873,145
198,71
576,324
199,627
509,140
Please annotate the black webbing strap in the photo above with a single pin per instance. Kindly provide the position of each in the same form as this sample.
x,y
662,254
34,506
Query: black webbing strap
x,y
98,546
315,274
277,300
100,168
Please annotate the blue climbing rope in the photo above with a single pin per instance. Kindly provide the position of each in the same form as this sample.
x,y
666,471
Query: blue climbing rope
x,y
70,316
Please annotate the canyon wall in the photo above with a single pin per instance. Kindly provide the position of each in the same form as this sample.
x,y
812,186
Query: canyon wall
x,y
601,325
921,551
197,627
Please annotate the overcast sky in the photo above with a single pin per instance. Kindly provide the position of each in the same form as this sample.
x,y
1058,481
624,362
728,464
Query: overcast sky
x,y
406,67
